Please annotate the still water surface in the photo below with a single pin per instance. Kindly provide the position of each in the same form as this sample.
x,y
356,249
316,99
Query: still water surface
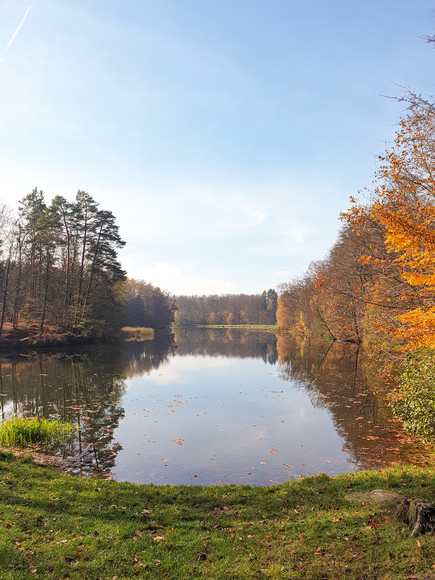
x,y
215,406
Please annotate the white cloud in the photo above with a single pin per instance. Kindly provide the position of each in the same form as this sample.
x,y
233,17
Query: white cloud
x,y
187,211
179,279
282,274
239,207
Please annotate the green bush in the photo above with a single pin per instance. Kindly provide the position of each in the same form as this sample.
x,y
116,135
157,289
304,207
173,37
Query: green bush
x,y
413,401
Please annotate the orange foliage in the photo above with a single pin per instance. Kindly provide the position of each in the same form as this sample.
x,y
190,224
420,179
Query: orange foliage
x,y
403,206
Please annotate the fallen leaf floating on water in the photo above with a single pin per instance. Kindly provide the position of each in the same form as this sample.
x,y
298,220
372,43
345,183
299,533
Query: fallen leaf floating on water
x,y
273,451
167,459
178,441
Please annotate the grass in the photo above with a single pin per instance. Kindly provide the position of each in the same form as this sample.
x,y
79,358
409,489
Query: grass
x,y
137,333
58,526
24,432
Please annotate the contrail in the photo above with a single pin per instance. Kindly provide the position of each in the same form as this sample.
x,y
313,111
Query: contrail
x,y
19,27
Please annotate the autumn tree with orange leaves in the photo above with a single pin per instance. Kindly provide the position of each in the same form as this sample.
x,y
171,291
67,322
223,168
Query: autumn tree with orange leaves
x,y
378,281
402,207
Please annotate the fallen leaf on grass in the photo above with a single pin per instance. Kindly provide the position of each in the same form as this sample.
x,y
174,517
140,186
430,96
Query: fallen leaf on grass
x,y
159,538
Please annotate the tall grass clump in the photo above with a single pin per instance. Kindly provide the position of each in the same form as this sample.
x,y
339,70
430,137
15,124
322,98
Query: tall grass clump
x,y
137,333
33,431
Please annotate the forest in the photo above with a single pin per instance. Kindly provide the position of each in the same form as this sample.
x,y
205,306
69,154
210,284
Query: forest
x,y
227,309
60,278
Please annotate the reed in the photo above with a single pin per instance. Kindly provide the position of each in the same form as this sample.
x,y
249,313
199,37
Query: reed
x,y
24,432
137,333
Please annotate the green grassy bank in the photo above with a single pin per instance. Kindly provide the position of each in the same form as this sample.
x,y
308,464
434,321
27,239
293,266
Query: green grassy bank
x,y
58,526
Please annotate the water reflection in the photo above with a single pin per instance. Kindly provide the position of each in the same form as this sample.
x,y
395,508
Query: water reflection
x,y
84,387
211,406
236,343
334,377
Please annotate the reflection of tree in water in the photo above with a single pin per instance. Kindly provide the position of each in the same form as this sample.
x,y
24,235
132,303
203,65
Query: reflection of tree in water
x,y
333,376
83,388
229,342
68,388
143,357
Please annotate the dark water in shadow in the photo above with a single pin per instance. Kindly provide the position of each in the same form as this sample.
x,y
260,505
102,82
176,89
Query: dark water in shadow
x,y
215,406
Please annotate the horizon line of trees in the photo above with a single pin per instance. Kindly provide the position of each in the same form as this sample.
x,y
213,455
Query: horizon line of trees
x,y
227,309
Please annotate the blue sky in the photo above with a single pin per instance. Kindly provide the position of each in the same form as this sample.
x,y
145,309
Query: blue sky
x,y
225,136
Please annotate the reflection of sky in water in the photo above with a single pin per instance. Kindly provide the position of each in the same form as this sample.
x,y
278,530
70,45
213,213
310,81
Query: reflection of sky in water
x,y
215,419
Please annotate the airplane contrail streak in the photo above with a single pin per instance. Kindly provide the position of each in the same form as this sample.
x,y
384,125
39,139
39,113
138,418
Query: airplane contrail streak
x,y
17,30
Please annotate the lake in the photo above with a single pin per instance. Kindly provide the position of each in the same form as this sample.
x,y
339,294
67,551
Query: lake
x,y
213,406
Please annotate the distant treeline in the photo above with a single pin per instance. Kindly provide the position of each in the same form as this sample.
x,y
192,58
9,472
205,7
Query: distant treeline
x,y
147,305
60,275
227,309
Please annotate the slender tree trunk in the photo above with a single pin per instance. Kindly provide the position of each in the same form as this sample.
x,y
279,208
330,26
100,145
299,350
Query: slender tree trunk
x,y
92,270
17,297
324,321
5,294
45,293
82,262
67,272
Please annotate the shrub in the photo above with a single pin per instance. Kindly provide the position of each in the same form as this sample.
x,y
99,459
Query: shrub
x,y
413,401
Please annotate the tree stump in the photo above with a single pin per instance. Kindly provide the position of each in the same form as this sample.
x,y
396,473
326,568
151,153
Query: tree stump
x,y
417,514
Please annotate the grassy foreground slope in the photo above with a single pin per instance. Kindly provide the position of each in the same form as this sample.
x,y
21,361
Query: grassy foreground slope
x,y
58,526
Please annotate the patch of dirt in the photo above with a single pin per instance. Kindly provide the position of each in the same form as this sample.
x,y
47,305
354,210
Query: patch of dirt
x,y
375,496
